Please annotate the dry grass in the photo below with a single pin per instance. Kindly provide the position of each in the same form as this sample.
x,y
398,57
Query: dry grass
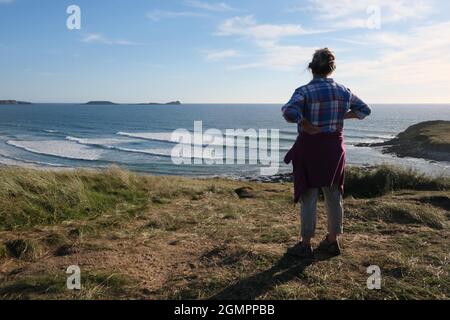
x,y
143,237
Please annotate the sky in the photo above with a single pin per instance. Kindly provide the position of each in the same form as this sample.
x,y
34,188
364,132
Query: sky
x,y
198,51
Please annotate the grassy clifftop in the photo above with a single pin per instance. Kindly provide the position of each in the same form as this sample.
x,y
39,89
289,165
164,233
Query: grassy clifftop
x,y
168,237
429,140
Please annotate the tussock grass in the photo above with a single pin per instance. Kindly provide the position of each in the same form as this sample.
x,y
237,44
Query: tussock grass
x,y
375,182
172,221
34,197
230,210
24,249
405,213
55,239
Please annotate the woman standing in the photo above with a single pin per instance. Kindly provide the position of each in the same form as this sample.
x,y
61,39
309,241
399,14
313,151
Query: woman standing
x,y
318,156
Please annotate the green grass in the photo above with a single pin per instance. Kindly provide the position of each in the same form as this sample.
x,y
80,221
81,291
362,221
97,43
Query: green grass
x,y
29,197
406,213
435,132
29,286
195,238
374,182
36,197
429,140
95,285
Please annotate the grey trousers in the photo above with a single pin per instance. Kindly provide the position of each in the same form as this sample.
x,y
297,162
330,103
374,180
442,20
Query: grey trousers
x,y
308,211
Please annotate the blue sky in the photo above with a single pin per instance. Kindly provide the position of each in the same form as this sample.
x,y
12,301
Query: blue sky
x,y
249,51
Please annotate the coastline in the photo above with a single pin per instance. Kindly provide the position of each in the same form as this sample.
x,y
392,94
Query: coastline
x,y
427,140
276,178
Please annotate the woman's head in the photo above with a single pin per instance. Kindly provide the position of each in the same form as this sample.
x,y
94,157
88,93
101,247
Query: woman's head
x,y
323,63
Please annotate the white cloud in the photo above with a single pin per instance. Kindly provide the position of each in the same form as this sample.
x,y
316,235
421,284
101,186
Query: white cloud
x,y
6,1
410,64
217,7
222,54
410,52
407,65
99,38
93,37
247,26
271,54
125,43
353,13
157,15
283,57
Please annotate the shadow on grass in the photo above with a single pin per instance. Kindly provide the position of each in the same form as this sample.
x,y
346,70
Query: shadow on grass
x,y
33,286
442,202
284,270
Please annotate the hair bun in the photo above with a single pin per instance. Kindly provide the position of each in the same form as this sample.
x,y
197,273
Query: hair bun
x,y
323,62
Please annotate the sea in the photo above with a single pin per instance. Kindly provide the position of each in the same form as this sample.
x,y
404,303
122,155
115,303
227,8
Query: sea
x,y
139,137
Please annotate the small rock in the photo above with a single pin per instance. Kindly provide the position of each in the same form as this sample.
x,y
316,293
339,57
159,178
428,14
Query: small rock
x,y
245,192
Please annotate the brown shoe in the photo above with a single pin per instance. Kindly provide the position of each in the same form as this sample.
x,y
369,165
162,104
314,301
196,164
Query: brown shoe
x,y
331,248
301,251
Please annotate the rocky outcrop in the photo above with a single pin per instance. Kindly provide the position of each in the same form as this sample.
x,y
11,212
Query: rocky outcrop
x,y
429,140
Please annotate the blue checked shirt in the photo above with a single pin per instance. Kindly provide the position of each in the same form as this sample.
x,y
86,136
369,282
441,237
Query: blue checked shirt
x,y
324,104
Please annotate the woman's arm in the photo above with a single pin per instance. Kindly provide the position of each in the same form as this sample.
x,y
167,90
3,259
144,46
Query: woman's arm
x,y
292,111
358,109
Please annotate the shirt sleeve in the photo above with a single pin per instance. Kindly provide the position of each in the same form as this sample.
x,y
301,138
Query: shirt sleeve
x,y
293,110
359,107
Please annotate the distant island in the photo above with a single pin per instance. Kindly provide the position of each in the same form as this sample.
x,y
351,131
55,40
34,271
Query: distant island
x,y
428,140
157,104
13,102
102,103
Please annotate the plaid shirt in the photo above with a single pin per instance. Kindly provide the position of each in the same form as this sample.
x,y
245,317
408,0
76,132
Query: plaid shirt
x,y
324,103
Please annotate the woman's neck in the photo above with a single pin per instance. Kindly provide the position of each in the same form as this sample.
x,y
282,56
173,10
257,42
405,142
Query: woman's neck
x,y
315,77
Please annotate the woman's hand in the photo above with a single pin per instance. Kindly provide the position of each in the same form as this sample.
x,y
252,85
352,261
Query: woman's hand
x,y
350,115
289,120
308,127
